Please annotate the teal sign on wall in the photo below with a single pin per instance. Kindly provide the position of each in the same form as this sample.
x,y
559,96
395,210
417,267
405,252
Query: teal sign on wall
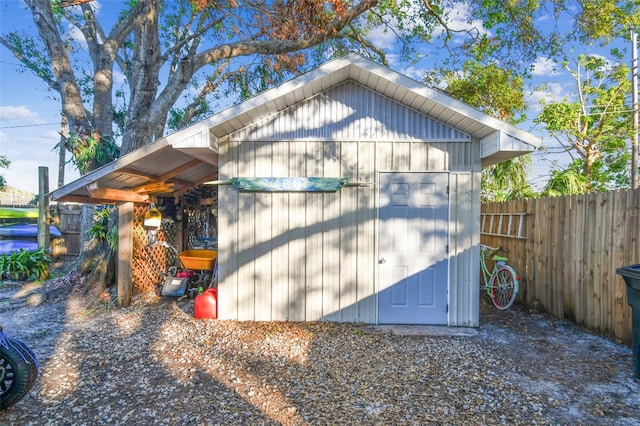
x,y
289,184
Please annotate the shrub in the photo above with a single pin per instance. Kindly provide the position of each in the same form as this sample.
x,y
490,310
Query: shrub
x,y
24,265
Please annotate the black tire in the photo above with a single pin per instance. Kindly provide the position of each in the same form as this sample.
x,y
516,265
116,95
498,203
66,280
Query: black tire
x,y
18,370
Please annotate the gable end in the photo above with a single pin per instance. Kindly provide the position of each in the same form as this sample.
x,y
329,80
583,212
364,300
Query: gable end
x,y
347,112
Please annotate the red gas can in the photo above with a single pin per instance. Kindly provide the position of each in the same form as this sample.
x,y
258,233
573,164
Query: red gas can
x,y
206,304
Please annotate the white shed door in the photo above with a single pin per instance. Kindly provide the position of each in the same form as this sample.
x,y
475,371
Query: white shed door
x,y
413,261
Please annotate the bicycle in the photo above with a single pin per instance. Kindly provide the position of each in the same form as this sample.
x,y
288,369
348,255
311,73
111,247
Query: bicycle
x,y
501,283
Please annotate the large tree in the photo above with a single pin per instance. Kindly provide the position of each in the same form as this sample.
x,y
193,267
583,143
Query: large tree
x,y
500,93
593,126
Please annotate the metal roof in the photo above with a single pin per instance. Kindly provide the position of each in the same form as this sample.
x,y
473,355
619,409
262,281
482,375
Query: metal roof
x,y
181,161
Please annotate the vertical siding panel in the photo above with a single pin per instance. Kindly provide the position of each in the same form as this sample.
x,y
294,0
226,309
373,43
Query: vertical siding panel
x,y
401,156
298,256
456,251
314,226
279,280
246,238
418,156
384,157
383,162
263,237
437,157
349,235
331,238
366,268
464,254
459,156
228,234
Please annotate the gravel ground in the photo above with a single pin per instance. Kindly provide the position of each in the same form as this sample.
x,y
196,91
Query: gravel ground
x,y
153,363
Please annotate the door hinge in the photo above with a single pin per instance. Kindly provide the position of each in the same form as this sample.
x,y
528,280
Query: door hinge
x,y
448,186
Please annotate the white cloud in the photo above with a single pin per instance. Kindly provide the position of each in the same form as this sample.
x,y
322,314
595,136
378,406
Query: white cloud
x,y
382,38
19,114
414,73
74,34
544,67
459,18
118,78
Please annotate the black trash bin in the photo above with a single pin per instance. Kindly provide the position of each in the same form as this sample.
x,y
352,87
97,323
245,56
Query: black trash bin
x,y
631,275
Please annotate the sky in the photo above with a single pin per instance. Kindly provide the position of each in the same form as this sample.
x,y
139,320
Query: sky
x,y
30,115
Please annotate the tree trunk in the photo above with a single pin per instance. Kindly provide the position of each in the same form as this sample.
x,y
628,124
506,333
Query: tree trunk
x,y
97,261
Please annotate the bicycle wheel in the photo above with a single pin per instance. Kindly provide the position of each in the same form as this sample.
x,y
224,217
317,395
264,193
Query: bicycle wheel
x,y
504,287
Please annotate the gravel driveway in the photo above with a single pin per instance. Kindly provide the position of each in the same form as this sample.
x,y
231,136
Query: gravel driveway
x,y
153,363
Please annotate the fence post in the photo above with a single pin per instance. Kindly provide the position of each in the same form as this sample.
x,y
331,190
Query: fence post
x,y
44,238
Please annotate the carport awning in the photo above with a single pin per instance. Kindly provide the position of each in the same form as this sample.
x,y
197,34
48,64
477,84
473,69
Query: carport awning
x,y
157,169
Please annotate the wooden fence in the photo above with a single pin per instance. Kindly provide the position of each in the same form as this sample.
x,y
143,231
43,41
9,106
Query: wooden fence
x,y
566,251
66,217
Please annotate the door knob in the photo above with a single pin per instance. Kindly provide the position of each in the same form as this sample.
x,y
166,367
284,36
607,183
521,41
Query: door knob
x,y
382,260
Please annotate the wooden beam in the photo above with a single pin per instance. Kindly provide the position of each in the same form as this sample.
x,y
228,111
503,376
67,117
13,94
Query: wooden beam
x,y
84,200
139,174
117,195
177,171
155,187
193,185
180,182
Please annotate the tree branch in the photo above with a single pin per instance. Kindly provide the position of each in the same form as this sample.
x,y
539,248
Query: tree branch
x,y
62,69
31,65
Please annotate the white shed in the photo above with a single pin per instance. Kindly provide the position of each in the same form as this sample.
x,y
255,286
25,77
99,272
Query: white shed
x,y
394,241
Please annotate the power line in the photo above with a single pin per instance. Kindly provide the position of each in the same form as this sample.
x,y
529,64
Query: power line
x,y
29,125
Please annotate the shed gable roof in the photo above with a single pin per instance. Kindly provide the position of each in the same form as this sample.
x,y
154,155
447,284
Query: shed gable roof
x,y
182,160
349,111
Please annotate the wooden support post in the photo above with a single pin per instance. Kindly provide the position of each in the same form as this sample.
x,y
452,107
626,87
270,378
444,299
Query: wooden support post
x,y
44,237
125,253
